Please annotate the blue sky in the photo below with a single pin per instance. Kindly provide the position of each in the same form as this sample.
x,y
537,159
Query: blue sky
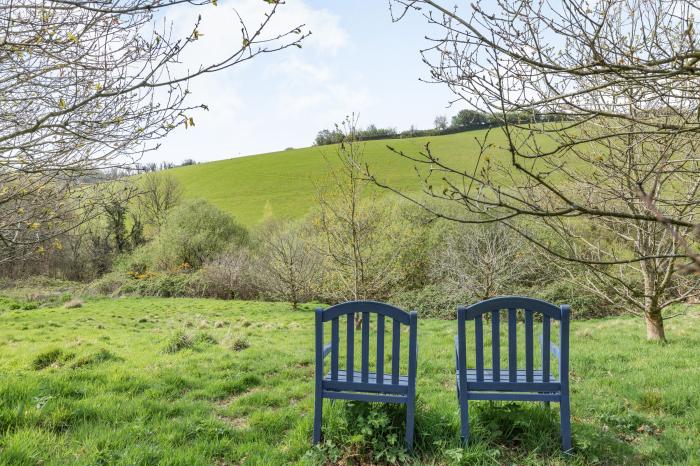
x,y
356,60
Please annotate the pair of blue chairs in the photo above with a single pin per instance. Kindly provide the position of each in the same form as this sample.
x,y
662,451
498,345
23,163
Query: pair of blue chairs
x,y
534,382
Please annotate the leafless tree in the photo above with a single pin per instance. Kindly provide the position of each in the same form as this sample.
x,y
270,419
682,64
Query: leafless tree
x,y
597,106
351,223
480,260
87,86
289,267
440,122
228,275
158,193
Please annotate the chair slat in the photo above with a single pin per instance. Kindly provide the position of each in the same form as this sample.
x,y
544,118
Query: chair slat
x,y
380,348
335,346
395,351
545,347
365,347
496,345
479,342
349,367
512,346
529,347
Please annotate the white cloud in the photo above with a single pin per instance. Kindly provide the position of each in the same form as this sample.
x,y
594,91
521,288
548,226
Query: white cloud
x,y
293,90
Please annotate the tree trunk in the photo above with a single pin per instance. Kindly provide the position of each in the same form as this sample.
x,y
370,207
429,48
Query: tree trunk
x,y
655,326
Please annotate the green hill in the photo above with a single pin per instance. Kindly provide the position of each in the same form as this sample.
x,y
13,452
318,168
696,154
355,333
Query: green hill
x,y
282,183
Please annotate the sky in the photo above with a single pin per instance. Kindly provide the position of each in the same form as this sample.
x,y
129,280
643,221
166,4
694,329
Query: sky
x,y
355,61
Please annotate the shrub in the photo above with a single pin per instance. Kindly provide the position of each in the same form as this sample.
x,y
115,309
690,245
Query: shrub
x,y
165,285
584,304
287,264
431,301
107,285
227,276
194,232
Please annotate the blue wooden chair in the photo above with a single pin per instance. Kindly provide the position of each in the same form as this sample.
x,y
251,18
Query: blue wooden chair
x,y
512,383
363,385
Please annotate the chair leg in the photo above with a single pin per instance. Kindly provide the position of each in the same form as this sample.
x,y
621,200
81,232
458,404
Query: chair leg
x,y
565,418
318,416
464,418
546,405
410,420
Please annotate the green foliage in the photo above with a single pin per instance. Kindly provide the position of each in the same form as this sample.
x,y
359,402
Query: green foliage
x,y
431,301
194,232
364,433
11,304
165,284
111,394
584,304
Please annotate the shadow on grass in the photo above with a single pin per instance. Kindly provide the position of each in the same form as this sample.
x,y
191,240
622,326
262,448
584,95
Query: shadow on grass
x,y
356,433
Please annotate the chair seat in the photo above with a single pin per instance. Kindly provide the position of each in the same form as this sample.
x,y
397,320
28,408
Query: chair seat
x,y
371,378
505,376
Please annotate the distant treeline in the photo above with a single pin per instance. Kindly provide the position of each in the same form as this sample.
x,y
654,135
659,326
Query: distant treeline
x,y
465,120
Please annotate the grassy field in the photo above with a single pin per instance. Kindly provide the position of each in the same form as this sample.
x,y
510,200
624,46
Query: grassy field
x,y
282,183
187,381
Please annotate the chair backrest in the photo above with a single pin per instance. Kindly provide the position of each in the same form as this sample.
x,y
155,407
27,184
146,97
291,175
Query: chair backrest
x,y
367,309
531,309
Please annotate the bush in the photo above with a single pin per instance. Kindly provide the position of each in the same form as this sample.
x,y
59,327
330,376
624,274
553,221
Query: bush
x,y
194,233
431,301
165,285
108,285
227,276
584,304
287,266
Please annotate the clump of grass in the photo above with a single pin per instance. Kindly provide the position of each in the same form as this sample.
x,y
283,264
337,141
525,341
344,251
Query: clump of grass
x,y
73,303
204,323
204,337
181,340
101,356
51,357
178,341
238,343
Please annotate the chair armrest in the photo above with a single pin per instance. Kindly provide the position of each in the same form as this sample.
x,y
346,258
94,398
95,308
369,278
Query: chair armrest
x,y
553,349
326,350
457,348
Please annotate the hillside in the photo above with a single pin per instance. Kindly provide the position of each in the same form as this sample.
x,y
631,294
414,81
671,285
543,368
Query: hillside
x,y
282,183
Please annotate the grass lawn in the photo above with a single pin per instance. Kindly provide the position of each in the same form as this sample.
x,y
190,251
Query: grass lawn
x,y
191,381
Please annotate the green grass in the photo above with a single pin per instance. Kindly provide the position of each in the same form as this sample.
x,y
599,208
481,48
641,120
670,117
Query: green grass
x,y
283,183
191,381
